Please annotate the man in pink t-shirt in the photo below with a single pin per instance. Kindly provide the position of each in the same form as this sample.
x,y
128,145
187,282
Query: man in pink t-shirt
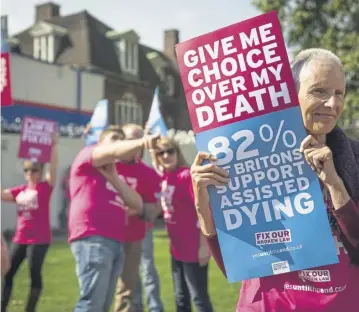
x,y
99,199
146,182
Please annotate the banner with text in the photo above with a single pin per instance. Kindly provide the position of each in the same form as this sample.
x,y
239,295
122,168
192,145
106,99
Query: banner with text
x,y
36,139
271,217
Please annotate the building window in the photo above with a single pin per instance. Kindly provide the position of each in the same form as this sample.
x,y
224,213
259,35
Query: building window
x,y
44,48
127,110
127,53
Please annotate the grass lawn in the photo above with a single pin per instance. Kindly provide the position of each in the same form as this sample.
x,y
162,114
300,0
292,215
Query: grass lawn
x,y
61,288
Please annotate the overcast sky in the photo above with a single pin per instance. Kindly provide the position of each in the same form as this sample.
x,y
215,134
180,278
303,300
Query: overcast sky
x,y
148,18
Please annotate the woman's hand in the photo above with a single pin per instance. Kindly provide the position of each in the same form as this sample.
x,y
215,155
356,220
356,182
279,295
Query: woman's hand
x,y
210,174
320,159
203,176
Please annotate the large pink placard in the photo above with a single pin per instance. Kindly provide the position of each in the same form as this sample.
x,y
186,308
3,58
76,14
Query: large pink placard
x,y
36,139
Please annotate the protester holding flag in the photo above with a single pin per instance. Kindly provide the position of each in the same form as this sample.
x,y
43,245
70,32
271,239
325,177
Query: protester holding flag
x,y
33,233
189,251
96,217
147,183
320,82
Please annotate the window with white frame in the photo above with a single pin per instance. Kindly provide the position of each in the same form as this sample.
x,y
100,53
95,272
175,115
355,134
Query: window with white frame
x,y
127,110
44,48
46,40
127,53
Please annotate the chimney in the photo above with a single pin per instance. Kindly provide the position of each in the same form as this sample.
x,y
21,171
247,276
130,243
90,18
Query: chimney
x,y
171,39
46,11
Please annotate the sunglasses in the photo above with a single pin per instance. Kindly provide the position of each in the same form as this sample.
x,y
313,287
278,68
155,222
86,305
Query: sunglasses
x,y
33,170
169,151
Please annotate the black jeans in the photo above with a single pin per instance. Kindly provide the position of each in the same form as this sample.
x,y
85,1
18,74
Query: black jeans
x,y
191,282
35,255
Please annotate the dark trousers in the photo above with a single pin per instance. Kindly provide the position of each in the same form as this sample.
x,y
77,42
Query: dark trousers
x,y
35,255
191,282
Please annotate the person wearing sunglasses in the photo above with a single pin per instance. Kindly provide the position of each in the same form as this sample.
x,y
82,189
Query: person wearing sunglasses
x,y
96,215
33,231
147,183
189,252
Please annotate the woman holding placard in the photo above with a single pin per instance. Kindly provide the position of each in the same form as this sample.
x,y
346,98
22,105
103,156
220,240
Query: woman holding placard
x,y
320,82
189,251
33,233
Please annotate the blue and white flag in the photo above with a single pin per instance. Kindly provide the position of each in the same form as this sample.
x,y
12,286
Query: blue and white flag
x,y
98,122
155,121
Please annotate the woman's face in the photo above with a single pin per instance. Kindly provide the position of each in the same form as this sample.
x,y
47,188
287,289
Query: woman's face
x,y
33,173
321,96
167,157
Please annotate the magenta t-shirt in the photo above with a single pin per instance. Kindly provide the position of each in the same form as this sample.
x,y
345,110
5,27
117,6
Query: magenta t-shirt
x,y
180,215
147,183
324,288
96,208
33,210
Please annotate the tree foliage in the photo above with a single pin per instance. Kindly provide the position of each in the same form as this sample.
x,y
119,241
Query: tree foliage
x,y
329,24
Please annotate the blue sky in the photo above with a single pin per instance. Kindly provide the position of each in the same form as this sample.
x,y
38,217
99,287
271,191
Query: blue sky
x,y
148,18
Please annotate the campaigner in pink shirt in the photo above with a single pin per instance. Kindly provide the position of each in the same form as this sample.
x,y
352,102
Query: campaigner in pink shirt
x,y
96,215
320,82
147,183
189,251
33,233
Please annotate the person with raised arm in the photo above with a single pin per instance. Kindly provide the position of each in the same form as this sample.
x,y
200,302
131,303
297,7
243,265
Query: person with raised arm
x,y
96,215
32,237
147,183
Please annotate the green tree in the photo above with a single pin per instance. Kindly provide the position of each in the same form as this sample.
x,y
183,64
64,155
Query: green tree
x,y
329,24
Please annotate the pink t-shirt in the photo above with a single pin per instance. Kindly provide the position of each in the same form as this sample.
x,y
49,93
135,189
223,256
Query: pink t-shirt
x,y
147,183
96,208
331,288
180,215
33,210
324,288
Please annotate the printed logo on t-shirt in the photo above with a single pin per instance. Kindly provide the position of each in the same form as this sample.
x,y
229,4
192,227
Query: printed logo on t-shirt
x,y
166,202
27,200
130,181
318,276
118,201
280,267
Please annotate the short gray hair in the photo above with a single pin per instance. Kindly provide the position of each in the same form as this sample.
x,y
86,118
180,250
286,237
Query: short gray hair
x,y
305,56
